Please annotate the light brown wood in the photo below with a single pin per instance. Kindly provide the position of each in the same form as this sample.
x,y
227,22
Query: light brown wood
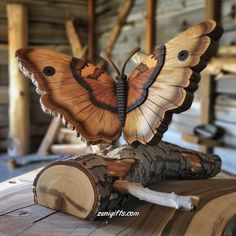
x,y
212,9
206,99
123,12
223,65
74,39
223,212
19,141
71,149
142,123
177,80
49,136
150,26
91,30
55,124
74,186
206,113
224,51
206,86
96,129
227,50
66,135
201,141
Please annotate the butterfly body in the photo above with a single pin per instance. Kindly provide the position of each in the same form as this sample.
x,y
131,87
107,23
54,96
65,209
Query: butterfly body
x,y
121,94
141,106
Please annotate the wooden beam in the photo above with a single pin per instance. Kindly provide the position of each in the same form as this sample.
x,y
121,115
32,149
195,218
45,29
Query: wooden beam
x,y
19,141
227,50
206,85
49,136
150,26
201,141
74,39
71,149
206,98
222,65
91,26
212,10
123,13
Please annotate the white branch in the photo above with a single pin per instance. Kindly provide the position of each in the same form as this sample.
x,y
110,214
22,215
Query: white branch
x,y
165,199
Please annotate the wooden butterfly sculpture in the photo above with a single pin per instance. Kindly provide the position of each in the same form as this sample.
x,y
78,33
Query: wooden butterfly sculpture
x,y
100,108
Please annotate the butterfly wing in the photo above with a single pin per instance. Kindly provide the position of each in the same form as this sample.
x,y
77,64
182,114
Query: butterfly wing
x,y
164,82
80,93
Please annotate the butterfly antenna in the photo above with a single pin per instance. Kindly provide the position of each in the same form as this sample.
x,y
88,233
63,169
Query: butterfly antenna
x,y
109,60
127,59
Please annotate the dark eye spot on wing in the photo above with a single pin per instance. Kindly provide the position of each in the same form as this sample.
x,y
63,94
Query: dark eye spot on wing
x,y
49,70
183,55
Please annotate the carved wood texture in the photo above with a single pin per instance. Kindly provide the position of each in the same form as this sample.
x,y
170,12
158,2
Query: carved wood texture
x,y
86,180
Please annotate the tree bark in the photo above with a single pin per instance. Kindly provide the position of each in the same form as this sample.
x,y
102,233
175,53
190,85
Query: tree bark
x,y
83,185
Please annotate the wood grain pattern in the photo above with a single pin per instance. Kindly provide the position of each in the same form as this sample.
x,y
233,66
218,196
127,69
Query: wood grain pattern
x,y
172,89
76,94
93,177
153,220
19,114
87,99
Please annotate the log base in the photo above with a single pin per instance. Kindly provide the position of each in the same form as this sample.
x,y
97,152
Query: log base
x,y
67,187
83,185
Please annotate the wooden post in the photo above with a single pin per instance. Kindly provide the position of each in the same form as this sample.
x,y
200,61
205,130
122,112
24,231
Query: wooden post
x,y
91,44
19,122
207,83
212,10
150,26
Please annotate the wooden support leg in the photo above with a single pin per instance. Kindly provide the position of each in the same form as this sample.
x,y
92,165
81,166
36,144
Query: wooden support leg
x,y
49,137
19,123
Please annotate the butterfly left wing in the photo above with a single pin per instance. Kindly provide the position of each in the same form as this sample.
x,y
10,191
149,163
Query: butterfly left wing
x,y
164,82
80,93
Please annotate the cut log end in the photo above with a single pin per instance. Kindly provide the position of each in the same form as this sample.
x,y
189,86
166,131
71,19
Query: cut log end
x,y
67,188
84,185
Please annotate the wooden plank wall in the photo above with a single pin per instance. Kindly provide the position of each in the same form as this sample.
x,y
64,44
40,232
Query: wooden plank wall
x,y
173,16
46,29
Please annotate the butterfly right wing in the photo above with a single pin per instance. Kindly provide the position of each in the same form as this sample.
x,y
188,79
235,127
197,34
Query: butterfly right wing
x,y
164,82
